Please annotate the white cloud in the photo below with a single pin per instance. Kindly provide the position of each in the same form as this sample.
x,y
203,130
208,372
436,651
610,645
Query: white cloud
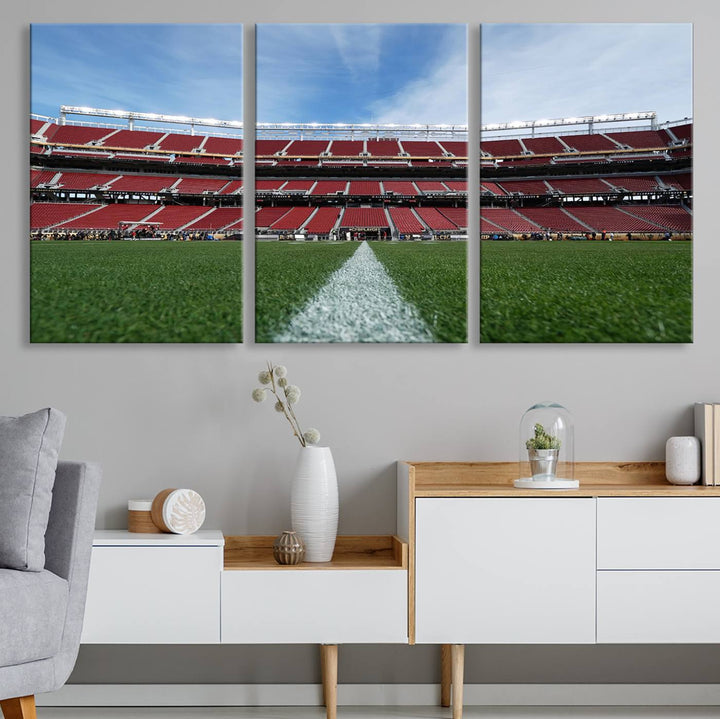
x,y
439,98
359,47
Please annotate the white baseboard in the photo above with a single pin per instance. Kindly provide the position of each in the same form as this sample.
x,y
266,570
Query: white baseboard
x,y
249,695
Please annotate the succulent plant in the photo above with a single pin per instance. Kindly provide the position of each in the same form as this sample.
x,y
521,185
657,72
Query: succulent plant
x,y
542,440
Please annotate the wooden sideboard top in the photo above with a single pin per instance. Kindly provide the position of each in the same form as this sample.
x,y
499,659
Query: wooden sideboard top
x,y
351,552
597,479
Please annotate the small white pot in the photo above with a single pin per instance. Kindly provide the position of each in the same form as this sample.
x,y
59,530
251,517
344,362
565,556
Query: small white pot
x,y
314,502
682,460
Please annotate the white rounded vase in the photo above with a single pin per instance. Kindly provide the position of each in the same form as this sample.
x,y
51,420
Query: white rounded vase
x,y
314,503
682,460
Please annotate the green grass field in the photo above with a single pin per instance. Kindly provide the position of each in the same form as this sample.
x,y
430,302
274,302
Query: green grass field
x,y
433,277
287,275
430,275
586,292
136,291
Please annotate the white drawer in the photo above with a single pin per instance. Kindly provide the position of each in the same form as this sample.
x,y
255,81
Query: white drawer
x,y
153,595
658,607
658,532
306,606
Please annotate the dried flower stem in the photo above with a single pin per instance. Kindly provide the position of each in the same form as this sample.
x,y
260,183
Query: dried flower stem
x,y
286,408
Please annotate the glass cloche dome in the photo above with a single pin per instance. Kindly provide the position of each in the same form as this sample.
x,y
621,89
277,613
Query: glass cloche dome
x,y
547,448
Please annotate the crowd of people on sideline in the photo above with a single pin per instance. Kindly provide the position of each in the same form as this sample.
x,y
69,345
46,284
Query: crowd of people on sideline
x,y
141,233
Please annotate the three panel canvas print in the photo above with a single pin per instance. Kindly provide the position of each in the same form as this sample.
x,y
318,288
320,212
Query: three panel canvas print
x,y
361,160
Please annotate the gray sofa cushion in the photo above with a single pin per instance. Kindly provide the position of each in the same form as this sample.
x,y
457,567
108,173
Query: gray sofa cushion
x,y
29,447
32,615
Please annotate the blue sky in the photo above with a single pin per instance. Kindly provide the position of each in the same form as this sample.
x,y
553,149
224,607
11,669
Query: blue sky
x,y
405,73
176,69
536,71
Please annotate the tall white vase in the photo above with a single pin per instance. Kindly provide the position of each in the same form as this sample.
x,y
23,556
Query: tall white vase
x,y
314,502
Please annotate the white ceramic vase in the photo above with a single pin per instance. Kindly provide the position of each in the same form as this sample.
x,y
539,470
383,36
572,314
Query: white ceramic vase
x,y
314,502
682,460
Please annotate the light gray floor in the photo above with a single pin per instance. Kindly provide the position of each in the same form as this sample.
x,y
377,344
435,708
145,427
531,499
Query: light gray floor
x,y
383,712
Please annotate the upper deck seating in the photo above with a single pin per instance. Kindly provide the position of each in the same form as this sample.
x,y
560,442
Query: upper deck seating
x,y
347,148
544,145
76,134
635,183
459,186
641,139
430,187
682,181
227,146
422,148
459,149
589,143
85,180
383,148
270,147
298,186
132,139
498,148
311,148
234,187
181,143
525,187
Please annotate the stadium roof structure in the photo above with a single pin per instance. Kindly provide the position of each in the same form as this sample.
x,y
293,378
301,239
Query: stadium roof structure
x,y
340,130
588,120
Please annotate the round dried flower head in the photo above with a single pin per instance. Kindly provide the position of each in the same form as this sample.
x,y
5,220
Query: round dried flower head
x,y
278,406
292,393
311,436
282,382
258,394
264,377
280,371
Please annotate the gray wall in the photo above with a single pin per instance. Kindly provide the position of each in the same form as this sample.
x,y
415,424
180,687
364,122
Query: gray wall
x,y
158,416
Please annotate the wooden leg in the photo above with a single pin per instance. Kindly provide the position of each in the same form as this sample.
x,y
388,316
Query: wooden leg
x,y
20,708
322,673
329,654
458,670
446,675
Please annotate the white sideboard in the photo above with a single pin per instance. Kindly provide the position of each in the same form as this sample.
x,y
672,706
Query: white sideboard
x,y
627,558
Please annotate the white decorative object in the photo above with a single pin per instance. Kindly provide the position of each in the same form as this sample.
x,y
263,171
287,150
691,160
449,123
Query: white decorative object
x,y
314,502
180,511
682,460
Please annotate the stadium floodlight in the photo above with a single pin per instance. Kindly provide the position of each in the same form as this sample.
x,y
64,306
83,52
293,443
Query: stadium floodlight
x,y
147,117
563,121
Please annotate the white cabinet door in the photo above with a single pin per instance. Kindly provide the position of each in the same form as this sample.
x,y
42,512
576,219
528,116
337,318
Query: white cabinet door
x,y
286,606
505,570
658,607
153,595
658,532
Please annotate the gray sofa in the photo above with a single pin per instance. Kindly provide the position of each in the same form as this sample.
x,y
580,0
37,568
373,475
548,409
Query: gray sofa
x,y
41,613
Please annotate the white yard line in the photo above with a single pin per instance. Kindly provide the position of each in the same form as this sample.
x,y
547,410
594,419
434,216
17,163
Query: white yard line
x,y
359,303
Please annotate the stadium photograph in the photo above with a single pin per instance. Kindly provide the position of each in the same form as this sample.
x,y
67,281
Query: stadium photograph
x,y
586,183
136,183
361,183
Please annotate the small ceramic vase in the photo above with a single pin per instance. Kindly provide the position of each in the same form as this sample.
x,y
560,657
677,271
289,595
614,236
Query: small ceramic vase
x,y
682,460
288,548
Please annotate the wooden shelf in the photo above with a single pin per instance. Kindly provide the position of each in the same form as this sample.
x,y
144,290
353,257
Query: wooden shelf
x,y
351,552
597,479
